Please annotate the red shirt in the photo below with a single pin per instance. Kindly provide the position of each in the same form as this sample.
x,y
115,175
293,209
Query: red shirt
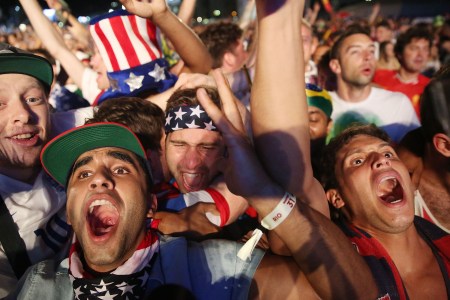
x,y
390,80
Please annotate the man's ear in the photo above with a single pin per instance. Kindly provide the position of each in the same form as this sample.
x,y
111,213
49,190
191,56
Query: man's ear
x,y
334,198
152,205
335,66
229,59
441,143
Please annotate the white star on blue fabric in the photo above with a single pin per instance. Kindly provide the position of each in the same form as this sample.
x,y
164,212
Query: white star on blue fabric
x,y
123,287
192,125
179,114
77,291
176,127
158,73
114,84
168,119
196,111
209,126
134,82
106,296
103,286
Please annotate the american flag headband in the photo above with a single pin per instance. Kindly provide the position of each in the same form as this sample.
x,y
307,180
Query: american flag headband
x,y
188,117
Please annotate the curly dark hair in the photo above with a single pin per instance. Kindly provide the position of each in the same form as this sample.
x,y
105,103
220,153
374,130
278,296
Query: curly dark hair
x,y
405,38
220,38
143,117
328,164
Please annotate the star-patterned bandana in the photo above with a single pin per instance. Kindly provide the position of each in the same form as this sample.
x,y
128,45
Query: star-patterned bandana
x,y
126,282
188,117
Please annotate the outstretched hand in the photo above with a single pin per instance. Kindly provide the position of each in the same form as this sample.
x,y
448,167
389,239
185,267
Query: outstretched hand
x,y
145,8
243,173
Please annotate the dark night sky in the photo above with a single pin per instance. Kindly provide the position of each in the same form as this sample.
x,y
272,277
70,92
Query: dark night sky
x,y
79,7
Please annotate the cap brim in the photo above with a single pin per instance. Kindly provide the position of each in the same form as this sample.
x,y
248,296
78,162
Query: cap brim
x,y
28,64
59,155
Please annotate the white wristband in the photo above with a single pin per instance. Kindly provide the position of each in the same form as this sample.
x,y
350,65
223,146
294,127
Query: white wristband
x,y
280,212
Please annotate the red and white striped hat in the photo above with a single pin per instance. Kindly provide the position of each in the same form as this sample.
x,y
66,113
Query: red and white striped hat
x,y
129,48
124,40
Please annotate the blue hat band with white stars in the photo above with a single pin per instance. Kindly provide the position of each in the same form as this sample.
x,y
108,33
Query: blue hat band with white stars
x,y
153,76
188,117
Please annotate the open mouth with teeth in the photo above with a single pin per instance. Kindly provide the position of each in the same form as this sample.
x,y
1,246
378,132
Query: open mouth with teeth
x,y
25,139
192,181
390,190
102,217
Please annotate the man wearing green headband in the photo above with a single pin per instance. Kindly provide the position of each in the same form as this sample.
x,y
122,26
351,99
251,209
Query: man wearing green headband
x,y
319,109
320,123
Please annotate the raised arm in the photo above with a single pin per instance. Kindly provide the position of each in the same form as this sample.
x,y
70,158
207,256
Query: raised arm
x,y
53,40
278,95
75,27
191,50
320,250
186,11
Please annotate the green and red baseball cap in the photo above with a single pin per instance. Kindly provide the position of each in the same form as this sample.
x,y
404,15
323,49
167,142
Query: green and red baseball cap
x,y
18,61
59,155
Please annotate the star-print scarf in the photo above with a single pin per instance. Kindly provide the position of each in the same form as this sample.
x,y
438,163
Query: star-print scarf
x,y
126,282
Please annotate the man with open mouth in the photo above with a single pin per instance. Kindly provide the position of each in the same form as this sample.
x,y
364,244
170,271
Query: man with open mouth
x,y
372,190
352,59
116,255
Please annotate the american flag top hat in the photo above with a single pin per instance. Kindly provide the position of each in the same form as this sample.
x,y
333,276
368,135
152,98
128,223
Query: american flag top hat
x,y
129,48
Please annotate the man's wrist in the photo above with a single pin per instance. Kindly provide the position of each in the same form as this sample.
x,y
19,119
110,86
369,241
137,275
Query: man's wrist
x,y
161,17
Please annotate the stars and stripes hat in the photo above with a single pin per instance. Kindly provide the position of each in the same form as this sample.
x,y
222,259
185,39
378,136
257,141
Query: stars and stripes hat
x,y
129,48
188,117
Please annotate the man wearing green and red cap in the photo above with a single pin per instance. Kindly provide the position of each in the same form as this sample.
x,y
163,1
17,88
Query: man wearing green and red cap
x,y
32,207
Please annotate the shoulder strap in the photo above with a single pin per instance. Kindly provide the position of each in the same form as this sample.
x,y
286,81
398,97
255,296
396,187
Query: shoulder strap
x,y
12,243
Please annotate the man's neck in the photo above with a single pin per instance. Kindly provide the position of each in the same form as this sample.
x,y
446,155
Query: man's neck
x,y
434,187
352,93
27,175
407,76
403,248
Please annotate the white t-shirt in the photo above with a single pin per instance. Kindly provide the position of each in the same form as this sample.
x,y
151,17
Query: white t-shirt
x,y
39,209
391,111
39,212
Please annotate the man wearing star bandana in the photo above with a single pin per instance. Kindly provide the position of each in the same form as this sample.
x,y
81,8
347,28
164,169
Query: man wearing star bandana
x,y
108,191
194,153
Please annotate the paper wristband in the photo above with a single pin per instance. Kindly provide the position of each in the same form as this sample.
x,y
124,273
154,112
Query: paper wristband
x,y
280,212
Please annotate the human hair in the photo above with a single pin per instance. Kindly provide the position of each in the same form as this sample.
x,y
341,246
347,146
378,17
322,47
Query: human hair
x,y
328,163
188,97
383,46
405,38
383,23
143,117
435,107
351,30
220,38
